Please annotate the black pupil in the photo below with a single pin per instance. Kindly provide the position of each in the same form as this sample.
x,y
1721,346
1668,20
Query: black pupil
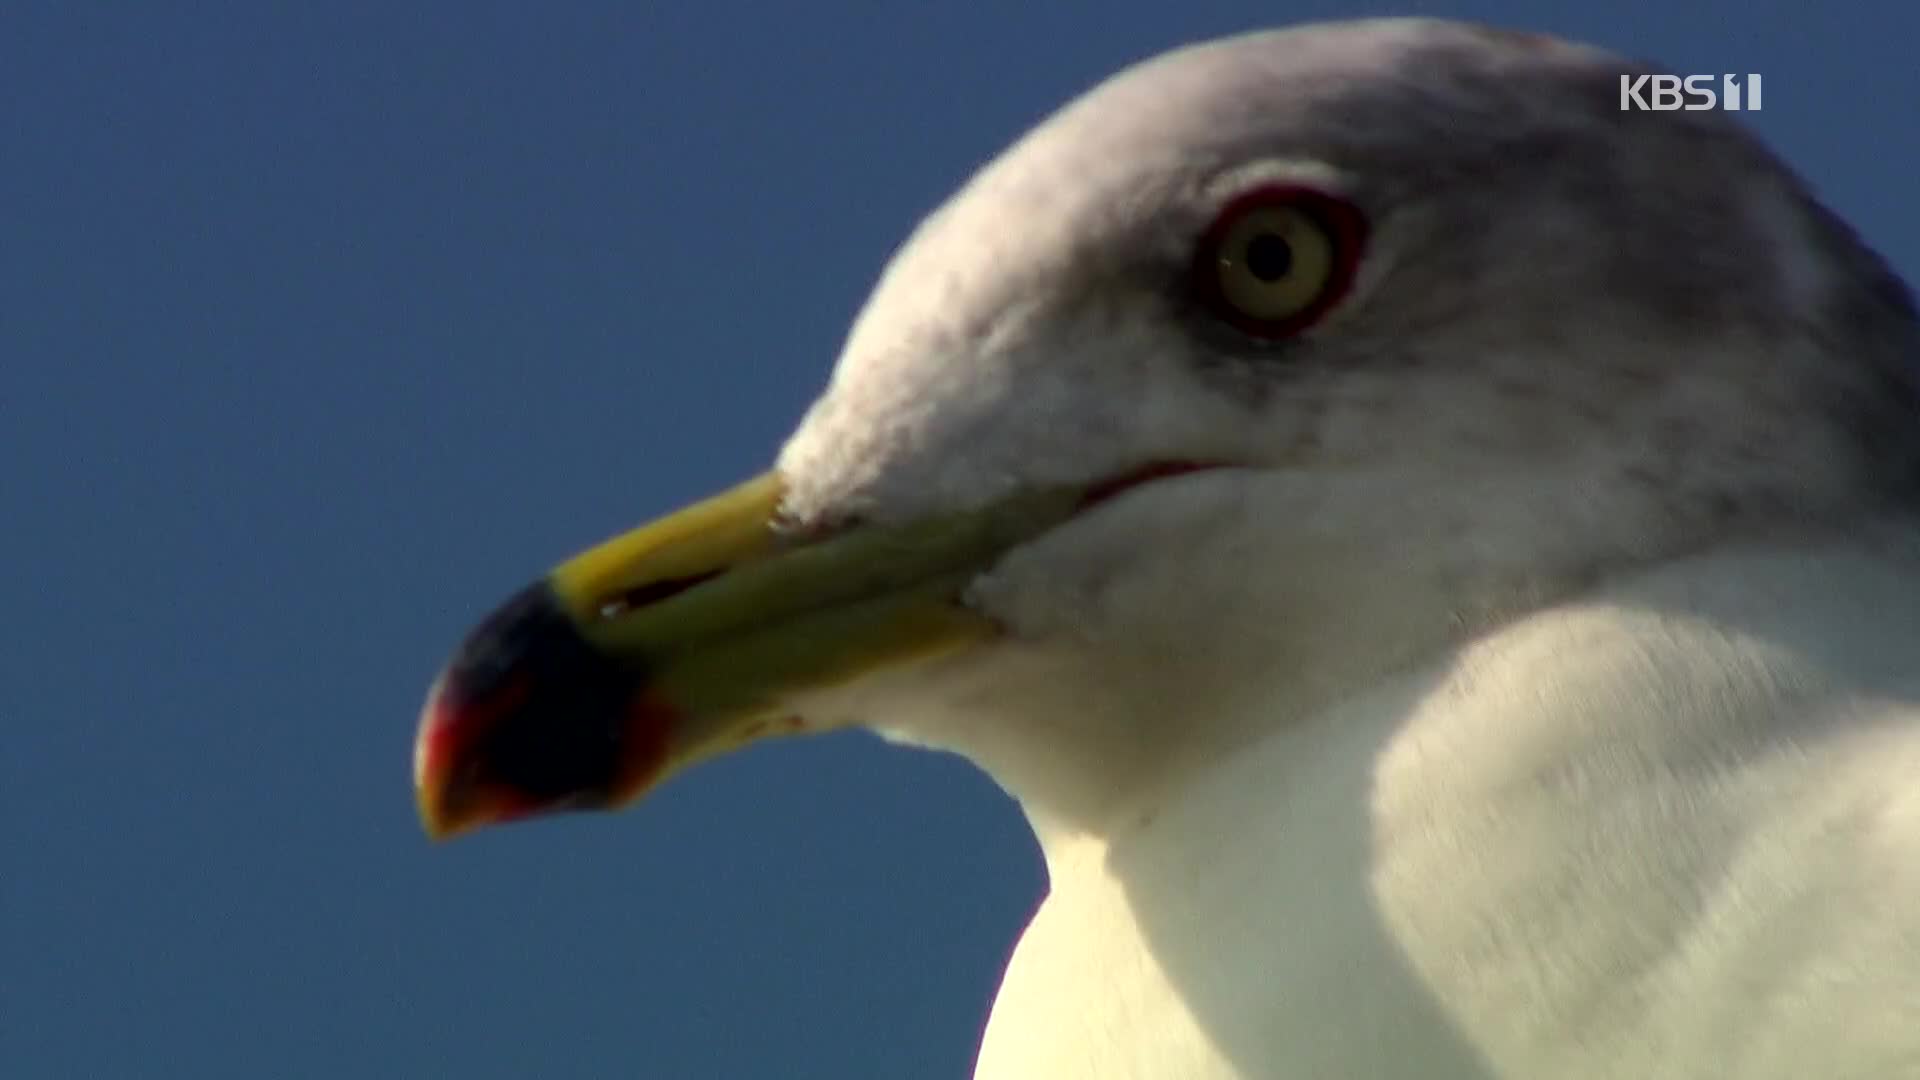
x,y
1269,256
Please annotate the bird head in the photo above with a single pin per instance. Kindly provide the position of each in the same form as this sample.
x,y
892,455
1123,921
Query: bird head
x,y
1267,365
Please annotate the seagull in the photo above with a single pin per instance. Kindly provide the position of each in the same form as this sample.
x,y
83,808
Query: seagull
x,y
1432,552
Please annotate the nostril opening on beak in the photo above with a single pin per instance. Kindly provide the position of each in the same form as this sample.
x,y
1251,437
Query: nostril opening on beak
x,y
651,593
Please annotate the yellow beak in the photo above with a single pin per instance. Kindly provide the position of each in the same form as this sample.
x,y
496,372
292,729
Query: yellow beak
x,y
686,638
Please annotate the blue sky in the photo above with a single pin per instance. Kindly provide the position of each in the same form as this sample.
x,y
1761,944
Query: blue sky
x,y
323,326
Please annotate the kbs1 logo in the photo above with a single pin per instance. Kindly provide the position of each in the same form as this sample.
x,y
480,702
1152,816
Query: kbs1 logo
x,y
1663,93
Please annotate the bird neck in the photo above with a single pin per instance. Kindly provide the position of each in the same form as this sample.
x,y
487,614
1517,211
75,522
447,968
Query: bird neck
x,y
1097,713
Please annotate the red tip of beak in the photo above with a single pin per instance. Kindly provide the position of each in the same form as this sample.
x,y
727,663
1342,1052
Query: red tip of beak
x,y
448,778
529,718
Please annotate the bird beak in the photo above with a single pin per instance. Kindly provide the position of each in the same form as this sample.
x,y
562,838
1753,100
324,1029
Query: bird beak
x,y
687,638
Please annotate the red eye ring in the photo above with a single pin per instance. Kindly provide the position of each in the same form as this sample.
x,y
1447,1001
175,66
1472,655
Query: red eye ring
x,y
1337,232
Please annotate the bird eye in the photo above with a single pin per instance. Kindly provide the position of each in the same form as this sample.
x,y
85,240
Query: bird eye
x,y
1278,258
